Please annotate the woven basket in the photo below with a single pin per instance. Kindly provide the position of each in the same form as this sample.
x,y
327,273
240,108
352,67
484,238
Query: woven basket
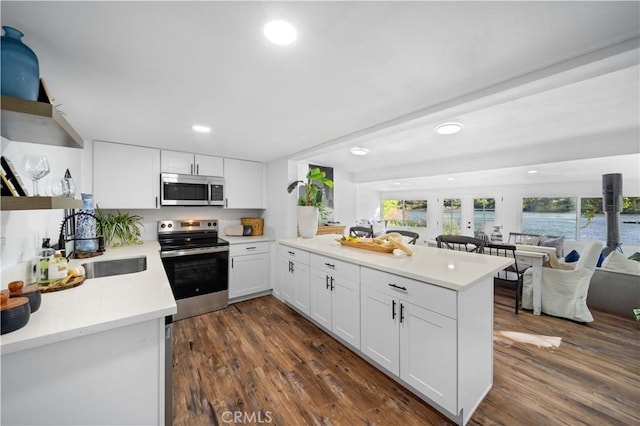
x,y
257,224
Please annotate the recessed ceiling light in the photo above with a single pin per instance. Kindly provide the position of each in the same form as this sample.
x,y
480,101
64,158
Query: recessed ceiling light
x,y
532,172
448,128
280,32
451,178
396,183
359,151
200,129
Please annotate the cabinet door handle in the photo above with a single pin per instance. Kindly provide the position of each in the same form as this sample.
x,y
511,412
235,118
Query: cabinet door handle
x,y
326,281
290,266
393,309
293,267
156,202
332,283
197,169
226,203
330,265
401,312
191,168
232,263
399,287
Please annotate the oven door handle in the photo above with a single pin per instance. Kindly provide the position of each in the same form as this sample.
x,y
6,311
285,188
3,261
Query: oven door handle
x,y
186,252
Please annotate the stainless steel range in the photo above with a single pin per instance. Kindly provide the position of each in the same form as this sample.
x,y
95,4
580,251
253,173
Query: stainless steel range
x,y
197,264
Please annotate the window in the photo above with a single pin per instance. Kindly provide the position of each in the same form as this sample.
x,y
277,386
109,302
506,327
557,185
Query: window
x,y
549,216
593,222
405,212
484,215
452,219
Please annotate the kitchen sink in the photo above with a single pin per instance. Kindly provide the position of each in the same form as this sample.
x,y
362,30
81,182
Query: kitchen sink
x,y
108,268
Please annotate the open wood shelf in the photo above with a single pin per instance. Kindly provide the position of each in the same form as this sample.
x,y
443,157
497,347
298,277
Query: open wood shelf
x,y
38,122
38,203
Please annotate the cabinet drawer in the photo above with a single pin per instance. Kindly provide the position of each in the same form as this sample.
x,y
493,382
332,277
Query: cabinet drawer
x,y
328,265
248,248
298,255
429,296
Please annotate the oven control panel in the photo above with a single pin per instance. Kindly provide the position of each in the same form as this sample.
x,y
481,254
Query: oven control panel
x,y
187,225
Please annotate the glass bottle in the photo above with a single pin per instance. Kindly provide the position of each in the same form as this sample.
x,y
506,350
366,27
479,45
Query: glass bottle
x,y
42,261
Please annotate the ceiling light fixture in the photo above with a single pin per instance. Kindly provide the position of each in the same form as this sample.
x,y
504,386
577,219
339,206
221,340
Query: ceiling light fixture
x,y
359,151
448,128
200,129
280,32
451,178
532,172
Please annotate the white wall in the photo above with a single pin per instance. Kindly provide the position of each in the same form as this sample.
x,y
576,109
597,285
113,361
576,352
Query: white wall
x,y
22,231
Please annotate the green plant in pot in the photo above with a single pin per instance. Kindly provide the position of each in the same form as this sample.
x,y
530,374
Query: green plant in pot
x,y
120,228
310,201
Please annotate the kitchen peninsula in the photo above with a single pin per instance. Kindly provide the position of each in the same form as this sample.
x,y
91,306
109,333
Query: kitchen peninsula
x,y
425,320
93,353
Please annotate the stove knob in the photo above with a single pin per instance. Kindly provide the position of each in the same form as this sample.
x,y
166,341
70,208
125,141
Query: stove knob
x,y
209,224
170,225
163,225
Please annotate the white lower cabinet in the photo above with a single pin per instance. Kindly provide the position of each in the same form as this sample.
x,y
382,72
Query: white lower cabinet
x,y
410,341
294,276
335,297
248,269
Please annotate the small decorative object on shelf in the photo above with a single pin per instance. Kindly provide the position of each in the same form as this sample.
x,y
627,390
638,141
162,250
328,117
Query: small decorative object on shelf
x,y
86,227
20,69
13,178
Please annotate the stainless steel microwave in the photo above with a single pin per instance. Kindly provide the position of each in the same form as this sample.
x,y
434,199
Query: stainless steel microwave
x,y
191,190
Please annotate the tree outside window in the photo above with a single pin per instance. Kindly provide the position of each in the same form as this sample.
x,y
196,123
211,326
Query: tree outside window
x,y
411,213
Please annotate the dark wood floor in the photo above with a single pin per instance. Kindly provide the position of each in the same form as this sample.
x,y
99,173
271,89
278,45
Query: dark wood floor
x,y
263,362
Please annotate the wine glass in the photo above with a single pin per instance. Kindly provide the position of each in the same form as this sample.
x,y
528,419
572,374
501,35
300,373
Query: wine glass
x,y
37,167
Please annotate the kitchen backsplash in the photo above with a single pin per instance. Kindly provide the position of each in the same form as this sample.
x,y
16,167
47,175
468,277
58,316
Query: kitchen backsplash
x,y
225,217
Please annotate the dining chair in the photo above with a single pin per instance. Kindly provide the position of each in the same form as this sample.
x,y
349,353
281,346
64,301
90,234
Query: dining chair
x,y
460,243
361,231
413,236
512,274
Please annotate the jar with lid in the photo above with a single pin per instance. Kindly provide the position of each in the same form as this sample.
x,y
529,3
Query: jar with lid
x,y
57,267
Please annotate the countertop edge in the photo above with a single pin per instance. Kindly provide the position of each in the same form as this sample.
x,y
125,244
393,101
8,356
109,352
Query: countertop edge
x,y
396,271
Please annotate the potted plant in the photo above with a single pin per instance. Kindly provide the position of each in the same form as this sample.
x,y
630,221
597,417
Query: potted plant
x,y
310,201
120,228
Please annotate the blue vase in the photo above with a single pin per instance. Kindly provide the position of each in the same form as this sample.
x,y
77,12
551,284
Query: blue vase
x,y
20,70
86,227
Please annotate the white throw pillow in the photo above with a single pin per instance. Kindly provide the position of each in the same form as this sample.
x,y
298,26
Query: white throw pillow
x,y
618,262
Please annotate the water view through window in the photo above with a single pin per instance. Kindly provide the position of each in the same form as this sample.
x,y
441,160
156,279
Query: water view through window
x,y
559,216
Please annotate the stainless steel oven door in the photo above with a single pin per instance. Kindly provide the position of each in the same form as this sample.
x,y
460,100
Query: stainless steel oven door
x,y
199,279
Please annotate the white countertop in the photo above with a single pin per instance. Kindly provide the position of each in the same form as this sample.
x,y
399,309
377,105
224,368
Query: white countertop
x,y
240,240
446,268
98,304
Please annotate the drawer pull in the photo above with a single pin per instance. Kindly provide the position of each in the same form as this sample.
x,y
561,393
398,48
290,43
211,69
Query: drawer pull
x,y
292,253
330,265
399,287
250,248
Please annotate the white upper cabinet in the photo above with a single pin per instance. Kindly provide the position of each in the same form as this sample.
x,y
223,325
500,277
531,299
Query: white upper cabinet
x,y
125,176
244,181
191,164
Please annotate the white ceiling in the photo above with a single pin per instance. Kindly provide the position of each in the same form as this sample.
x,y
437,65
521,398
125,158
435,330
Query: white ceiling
x,y
533,82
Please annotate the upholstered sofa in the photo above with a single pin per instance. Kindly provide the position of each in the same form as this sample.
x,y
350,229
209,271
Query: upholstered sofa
x,y
615,286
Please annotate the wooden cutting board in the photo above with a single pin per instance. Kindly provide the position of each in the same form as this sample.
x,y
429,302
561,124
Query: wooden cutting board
x,y
367,246
73,282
